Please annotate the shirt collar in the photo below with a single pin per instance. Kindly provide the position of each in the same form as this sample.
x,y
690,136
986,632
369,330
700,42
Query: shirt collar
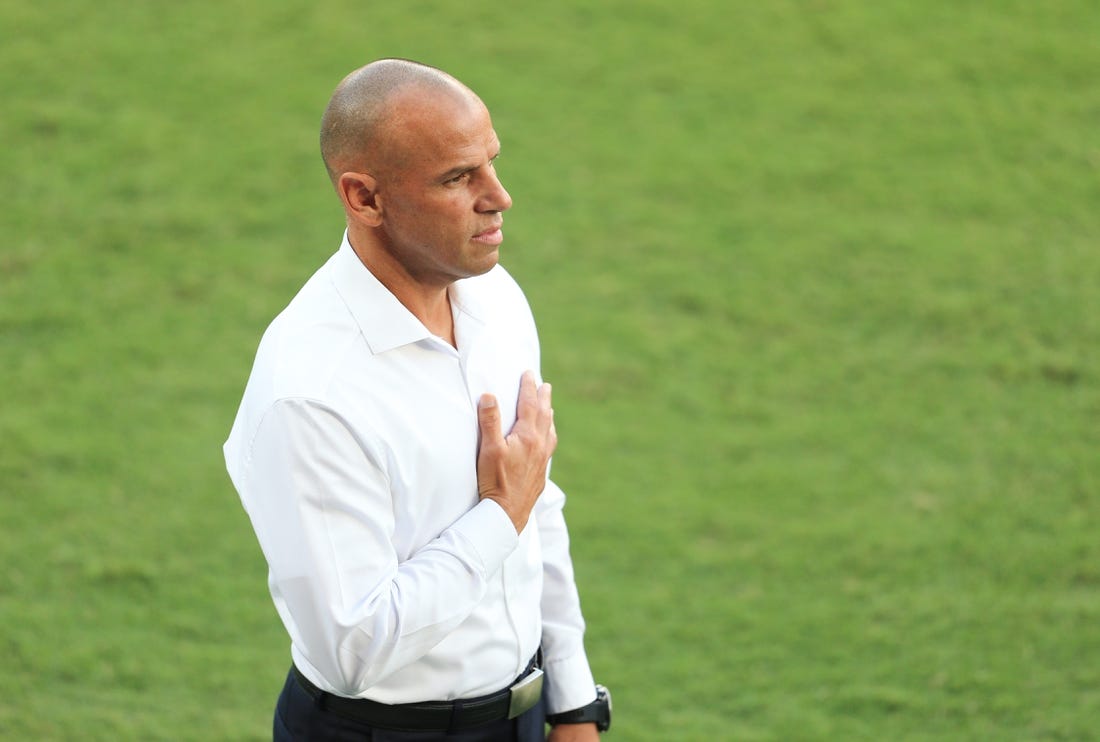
x,y
384,321
466,298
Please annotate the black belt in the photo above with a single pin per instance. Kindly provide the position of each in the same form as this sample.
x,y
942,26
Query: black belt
x,y
437,716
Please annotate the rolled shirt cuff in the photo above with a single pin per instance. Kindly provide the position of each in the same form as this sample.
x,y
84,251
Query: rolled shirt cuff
x,y
569,683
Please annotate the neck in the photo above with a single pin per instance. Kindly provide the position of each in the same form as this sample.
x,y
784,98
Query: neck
x,y
428,302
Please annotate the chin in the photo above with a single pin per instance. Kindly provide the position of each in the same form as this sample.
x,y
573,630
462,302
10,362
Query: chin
x,y
486,264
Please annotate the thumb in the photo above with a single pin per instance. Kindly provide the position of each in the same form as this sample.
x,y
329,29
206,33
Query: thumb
x,y
488,418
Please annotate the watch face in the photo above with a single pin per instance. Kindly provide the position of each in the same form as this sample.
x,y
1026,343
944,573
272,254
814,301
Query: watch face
x,y
603,699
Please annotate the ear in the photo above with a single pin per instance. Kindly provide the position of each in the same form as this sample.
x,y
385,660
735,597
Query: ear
x,y
359,193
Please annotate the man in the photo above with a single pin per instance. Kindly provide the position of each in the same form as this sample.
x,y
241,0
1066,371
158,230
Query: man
x,y
417,554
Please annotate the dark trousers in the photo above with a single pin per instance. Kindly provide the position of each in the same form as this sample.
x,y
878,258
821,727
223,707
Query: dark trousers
x,y
300,718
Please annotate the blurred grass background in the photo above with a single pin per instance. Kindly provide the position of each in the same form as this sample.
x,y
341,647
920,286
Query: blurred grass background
x,y
819,290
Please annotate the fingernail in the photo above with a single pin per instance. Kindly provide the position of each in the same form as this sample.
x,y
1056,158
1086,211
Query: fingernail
x,y
487,401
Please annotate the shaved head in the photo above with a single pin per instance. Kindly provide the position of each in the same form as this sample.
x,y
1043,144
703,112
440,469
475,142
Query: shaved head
x,y
356,127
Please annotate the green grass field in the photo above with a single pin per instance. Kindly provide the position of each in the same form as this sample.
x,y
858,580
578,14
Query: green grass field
x,y
819,291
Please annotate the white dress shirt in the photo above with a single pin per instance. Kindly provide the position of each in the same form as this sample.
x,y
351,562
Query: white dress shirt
x,y
354,453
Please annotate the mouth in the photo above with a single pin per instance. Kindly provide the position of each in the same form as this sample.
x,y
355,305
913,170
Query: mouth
x,y
492,236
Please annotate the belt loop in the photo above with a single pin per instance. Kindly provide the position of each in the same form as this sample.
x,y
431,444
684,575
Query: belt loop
x,y
456,715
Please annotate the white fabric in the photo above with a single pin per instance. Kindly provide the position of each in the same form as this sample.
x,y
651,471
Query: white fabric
x,y
354,454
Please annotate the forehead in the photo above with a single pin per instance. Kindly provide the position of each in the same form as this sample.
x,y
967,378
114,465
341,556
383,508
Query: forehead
x,y
438,129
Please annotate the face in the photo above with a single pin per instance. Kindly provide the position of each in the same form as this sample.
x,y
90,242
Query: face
x,y
440,200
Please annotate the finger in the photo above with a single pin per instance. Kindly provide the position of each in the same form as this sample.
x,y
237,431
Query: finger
x,y
528,402
552,435
488,419
545,408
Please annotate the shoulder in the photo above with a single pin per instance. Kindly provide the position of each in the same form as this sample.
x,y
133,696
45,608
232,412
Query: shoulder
x,y
307,343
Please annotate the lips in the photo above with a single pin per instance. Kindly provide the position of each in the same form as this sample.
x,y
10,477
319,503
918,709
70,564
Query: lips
x,y
492,236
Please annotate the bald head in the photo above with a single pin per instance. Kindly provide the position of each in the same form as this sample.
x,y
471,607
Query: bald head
x,y
355,127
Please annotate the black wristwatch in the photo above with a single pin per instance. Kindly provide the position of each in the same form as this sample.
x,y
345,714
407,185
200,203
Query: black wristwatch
x,y
599,711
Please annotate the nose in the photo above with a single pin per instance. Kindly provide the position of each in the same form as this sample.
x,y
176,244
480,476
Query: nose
x,y
495,198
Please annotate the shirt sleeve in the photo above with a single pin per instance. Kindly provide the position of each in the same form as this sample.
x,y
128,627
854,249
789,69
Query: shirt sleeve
x,y
569,682
319,501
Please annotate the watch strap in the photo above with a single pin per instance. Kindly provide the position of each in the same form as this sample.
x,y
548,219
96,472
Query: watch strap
x,y
598,712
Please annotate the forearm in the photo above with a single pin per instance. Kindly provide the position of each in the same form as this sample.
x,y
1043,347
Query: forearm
x,y
358,629
355,608
569,678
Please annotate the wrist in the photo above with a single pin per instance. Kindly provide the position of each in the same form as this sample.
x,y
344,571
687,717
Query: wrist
x,y
598,712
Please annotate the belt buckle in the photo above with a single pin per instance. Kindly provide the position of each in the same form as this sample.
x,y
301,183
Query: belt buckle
x,y
525,693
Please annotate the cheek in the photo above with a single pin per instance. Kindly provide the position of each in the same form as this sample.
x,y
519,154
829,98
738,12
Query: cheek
x,y
432,222
447,222
433,239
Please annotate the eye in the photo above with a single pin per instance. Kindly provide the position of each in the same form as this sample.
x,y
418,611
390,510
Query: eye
x,y
460,178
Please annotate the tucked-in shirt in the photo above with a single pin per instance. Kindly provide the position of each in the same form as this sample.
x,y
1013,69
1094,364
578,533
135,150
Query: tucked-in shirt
x,y
354,453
